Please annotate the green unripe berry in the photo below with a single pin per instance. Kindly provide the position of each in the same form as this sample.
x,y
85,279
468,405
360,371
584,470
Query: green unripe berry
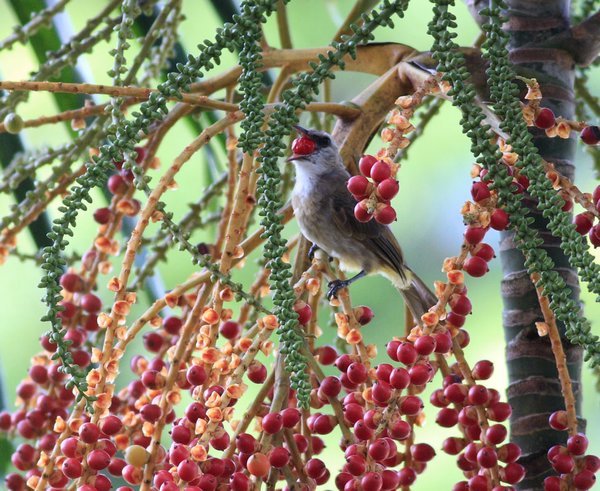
x,y
13,123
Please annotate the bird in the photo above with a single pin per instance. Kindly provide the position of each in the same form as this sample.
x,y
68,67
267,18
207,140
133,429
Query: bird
x,y
324,210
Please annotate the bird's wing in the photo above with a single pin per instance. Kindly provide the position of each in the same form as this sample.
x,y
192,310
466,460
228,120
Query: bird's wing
x,y
379,238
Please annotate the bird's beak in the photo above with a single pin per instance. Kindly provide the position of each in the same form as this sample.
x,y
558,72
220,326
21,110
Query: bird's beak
x,y
300,129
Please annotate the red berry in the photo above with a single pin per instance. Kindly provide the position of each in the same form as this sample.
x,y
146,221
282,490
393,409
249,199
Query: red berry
x,y
476,266
272,423
411,405
484,251
102,215
577,444
558,420
406,476
196,375
453,445
478,395
381,392
447,417
499,219
303,146
356,465
513,473
187,470
482,370
474,235
279,457
385,214
399,378
486,457
387,189
91,303
230,329
98,459
357,373
425,345
594,235
326,355
545,118
117,184
315,468
400,430
290,417
422,452
443,342
71,282
72,468
584,480
455,319
363,314
590,135
371,481
583,222
245,443
406,353
362,431
552,483
257,372
358,186
380,171
366,163
496,434
304,312
509,452
500,411
460,304
420,374
592,463
563,463
361,212
153,341
480,191
89,433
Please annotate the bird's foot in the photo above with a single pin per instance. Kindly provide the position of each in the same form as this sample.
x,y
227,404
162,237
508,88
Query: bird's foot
x,y
335,286
311,251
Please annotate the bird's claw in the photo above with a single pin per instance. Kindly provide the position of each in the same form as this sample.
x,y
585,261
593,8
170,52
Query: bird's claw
x,y
311,251
334,287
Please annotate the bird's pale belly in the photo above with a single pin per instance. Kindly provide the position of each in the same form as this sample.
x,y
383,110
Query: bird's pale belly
x,y
353,255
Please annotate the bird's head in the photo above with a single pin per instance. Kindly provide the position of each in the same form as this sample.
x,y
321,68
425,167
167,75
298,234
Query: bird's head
x,y
314,151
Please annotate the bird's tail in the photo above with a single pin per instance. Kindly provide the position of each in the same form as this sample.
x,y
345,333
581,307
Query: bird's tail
x,y
418,297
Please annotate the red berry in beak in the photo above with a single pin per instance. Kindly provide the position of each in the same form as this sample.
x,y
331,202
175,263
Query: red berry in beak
x,y
545,119
303,146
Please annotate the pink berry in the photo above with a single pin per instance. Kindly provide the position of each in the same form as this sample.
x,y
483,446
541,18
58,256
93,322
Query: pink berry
x,y
357,373
545,118
304,312
455,319
91,303
558,420
363,314
279,457
257,372
460,304
98,459
484,251
117,185
422,452
583,222
486,457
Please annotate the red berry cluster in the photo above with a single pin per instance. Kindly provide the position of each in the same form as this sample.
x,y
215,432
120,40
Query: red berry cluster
x,y
374,195
577,470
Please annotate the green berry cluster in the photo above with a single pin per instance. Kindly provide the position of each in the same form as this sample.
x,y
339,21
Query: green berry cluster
x,y
506,103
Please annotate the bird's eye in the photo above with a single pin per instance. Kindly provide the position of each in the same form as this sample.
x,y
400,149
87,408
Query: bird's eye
x,y
324,141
